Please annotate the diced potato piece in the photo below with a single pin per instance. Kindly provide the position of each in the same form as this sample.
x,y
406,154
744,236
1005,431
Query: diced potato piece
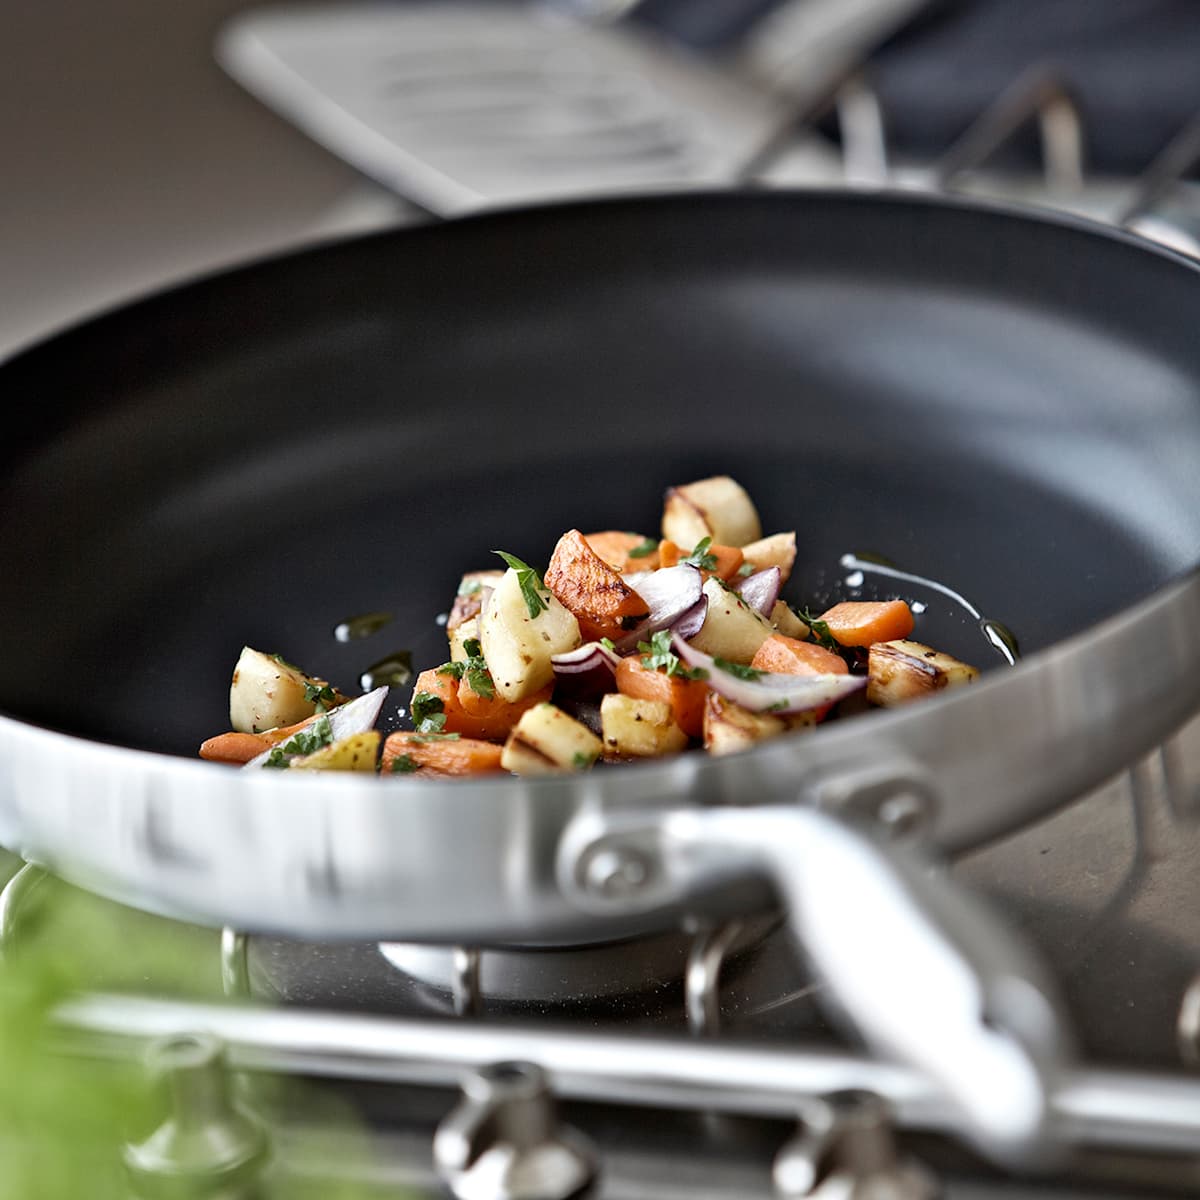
x,y
639,728
461,634
778,550
899,671
267,692
547,741
468,601
787,623
728,727
518,647
718,508
357,752
731,629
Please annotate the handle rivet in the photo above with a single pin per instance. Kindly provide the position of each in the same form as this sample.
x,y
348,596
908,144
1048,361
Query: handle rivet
x,y
615,872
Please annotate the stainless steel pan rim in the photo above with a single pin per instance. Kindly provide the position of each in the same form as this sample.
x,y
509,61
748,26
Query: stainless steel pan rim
x,y
347,856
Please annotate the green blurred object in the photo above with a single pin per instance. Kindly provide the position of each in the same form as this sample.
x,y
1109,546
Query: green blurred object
x,y
67,1120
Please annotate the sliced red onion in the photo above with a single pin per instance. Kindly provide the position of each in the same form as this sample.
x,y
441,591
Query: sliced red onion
x,y
669,592
761,589
771,691
355,716
635,579
590,670
691,622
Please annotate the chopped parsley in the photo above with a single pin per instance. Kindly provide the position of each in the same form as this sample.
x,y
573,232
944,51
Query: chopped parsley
x,y
530,583
424,739
478,675
657,654
403,764
644,549
582,761
745,569
306,741
470,587
820,631
428,712
475,669
750,674
700,557
319,694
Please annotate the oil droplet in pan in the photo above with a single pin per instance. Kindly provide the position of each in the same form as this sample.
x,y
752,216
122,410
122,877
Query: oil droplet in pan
x,y
999,636
1002,638
362,626
395,670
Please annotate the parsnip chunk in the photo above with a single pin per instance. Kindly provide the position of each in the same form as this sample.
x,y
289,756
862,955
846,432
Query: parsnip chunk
x,y
635,728
731,629
267,692
728,727
357,752
718,508
546,741
518,647
787,623
901,670
778,550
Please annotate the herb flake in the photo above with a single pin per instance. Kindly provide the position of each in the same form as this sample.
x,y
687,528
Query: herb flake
x,y
428,712
700,556
475,669
820,631
643,549
530,583
305,741
740,670
404,764
658,655
320,695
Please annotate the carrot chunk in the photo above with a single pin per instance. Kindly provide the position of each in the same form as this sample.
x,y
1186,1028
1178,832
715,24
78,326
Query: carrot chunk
x,y
616,547
789,656
864,622
236,747
493,716
725,561
600,600
669,553
468,712
685,696
410,753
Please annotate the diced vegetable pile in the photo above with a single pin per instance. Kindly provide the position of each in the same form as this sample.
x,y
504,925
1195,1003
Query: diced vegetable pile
x,y
628,647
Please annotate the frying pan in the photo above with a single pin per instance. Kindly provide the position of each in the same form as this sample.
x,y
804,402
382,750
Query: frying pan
x,y
1005,405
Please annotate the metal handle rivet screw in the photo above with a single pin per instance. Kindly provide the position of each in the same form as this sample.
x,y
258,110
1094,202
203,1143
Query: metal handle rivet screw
x,y
614,872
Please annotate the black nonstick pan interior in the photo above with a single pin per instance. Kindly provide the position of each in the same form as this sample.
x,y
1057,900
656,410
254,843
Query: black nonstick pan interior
x,y
1009,406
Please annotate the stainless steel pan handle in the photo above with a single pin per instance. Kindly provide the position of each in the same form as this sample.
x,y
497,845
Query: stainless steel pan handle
x,y
912,963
